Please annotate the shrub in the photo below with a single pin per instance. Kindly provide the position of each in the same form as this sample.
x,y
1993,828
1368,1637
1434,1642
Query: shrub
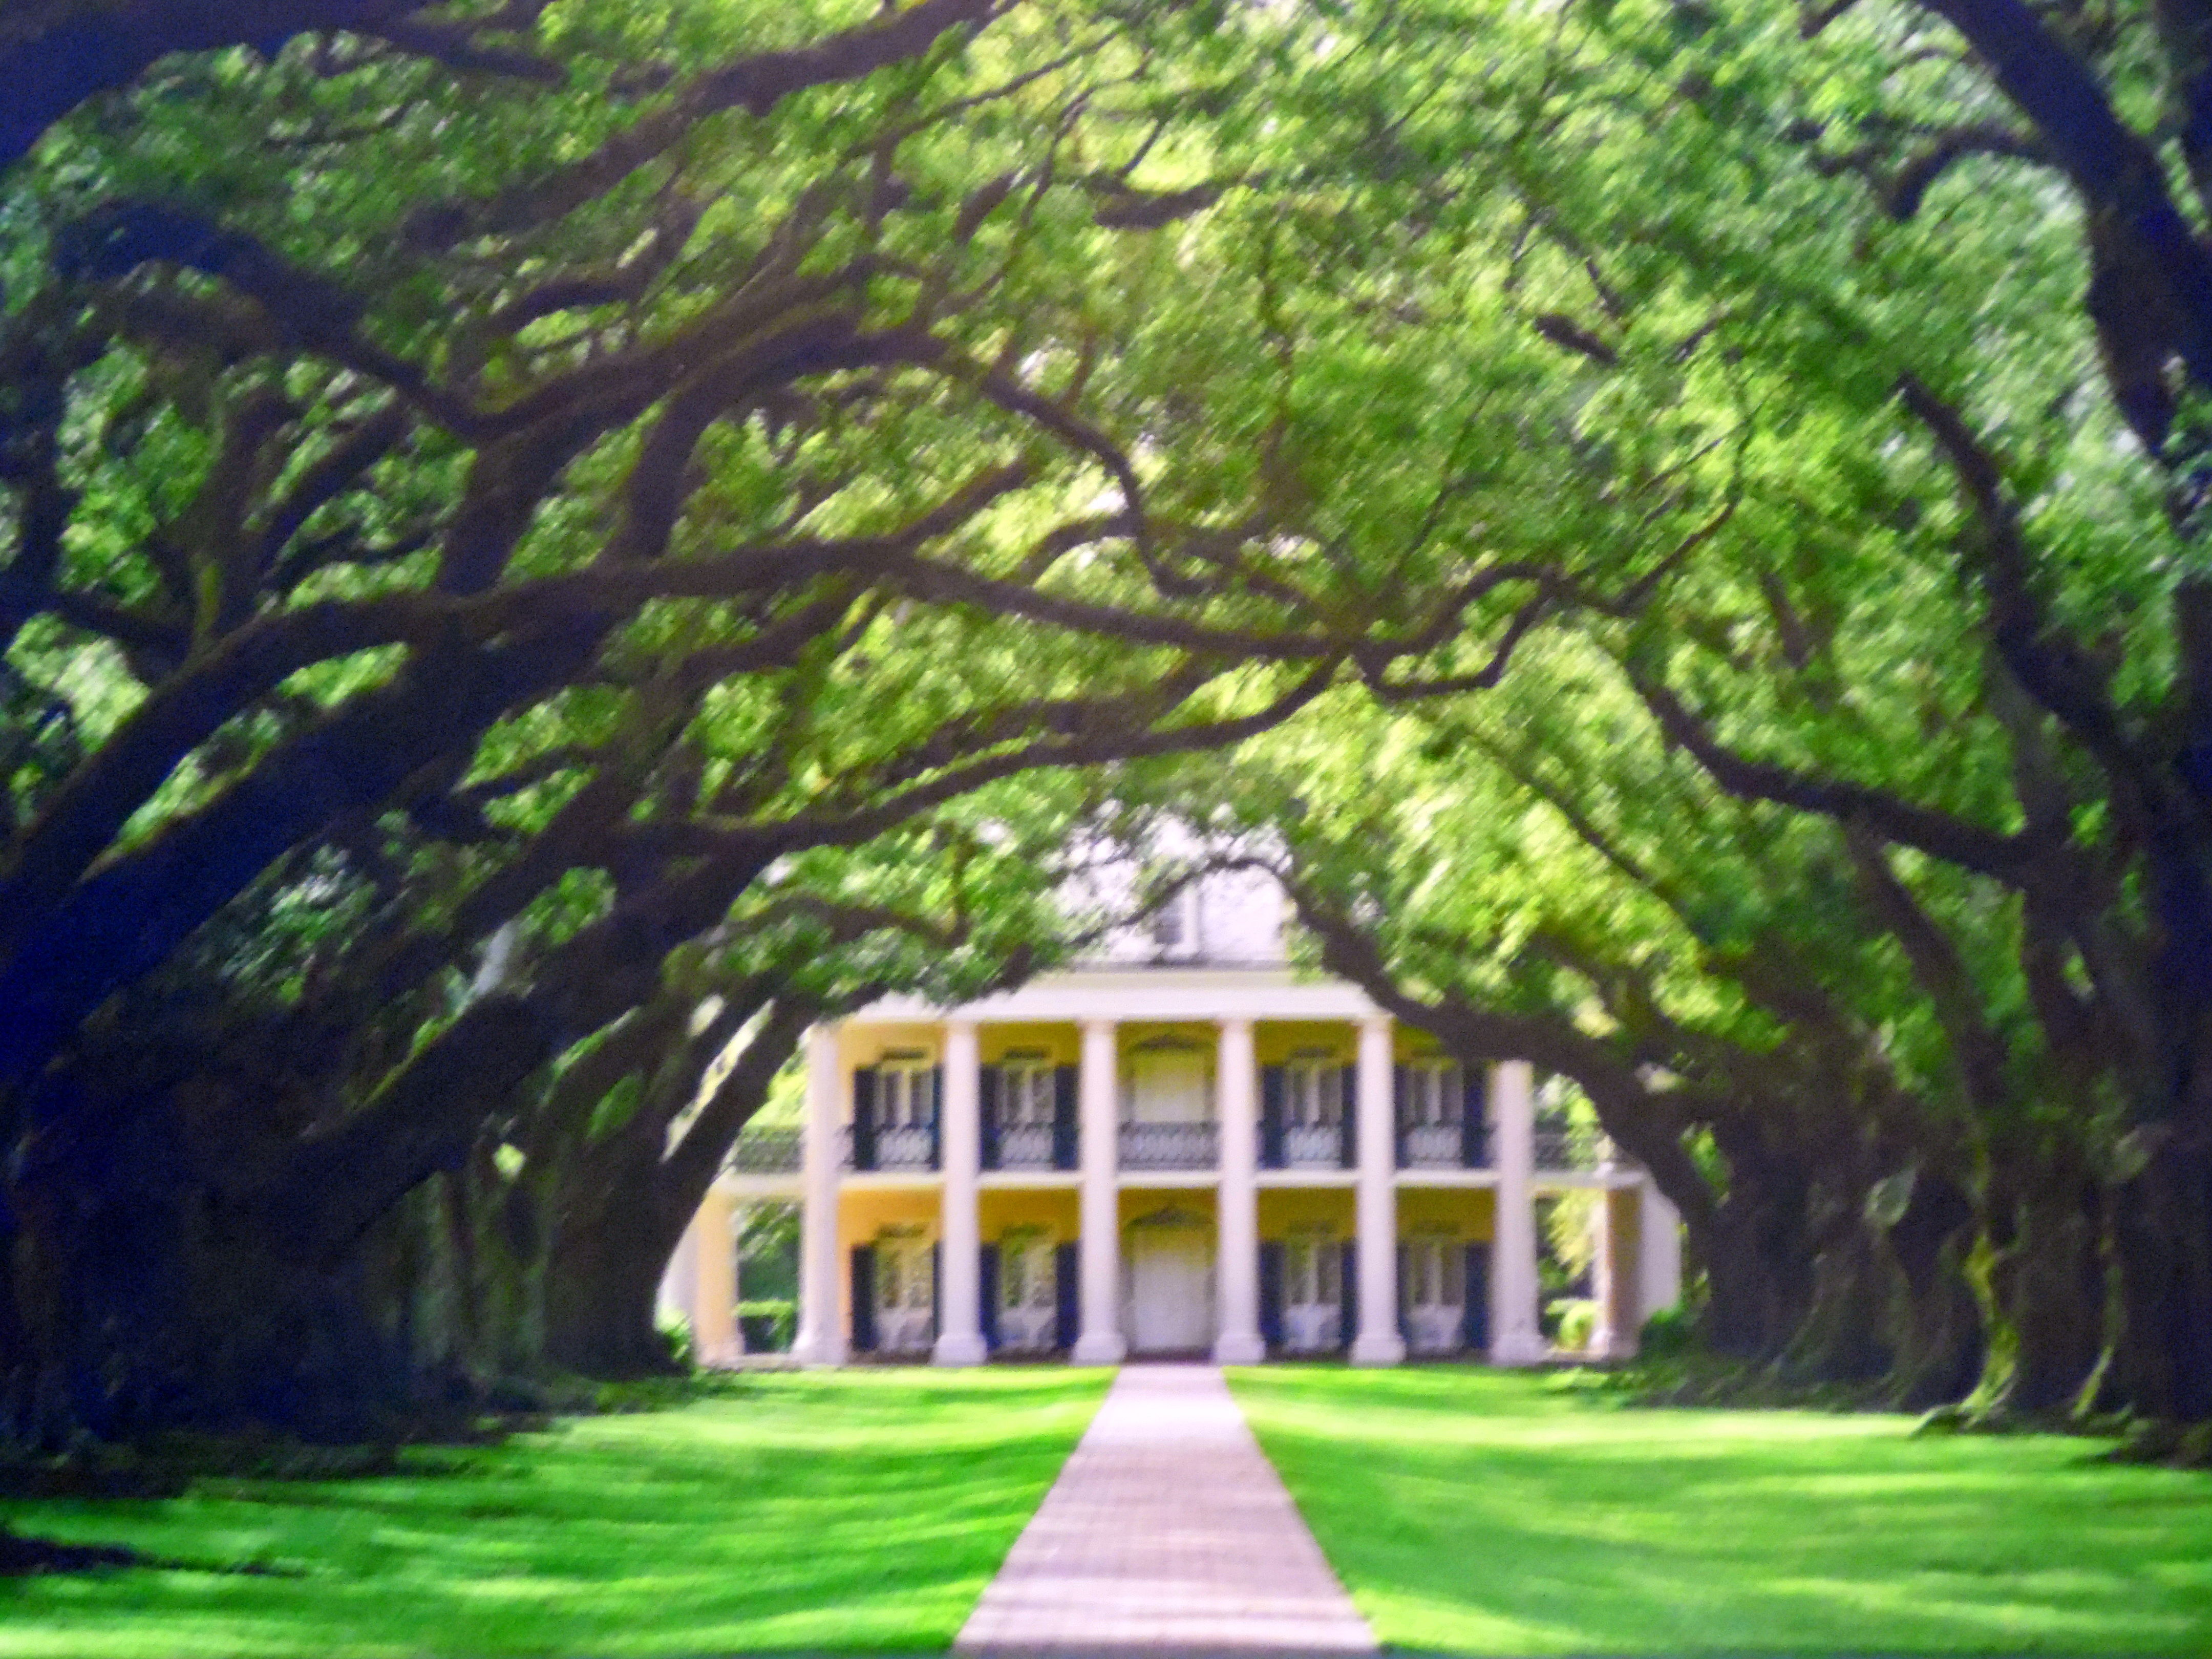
x,y
1666,1334
768,1323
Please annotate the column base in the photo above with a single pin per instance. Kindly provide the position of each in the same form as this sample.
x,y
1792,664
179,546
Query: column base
x,y
817,1354
1369,1349
1244,1348
955,1349
1099,1348
1519,1348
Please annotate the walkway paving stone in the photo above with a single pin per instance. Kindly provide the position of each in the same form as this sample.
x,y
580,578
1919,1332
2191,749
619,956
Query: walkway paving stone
x,y
1168,1532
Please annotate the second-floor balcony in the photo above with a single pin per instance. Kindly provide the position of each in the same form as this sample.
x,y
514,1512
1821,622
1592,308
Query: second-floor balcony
x,y
1566,1147
1443,1146
767,1152
1306,1146
1170,1145
890,1147
1029,1146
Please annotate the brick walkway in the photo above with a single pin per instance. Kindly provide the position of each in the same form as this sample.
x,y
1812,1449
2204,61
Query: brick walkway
x,y
1166,1533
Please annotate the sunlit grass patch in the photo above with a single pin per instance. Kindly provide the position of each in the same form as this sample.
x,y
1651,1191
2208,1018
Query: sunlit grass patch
x,y
1476,1511
862,1509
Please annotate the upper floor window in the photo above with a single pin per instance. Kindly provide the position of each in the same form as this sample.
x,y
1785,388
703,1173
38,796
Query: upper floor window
x,y
1174,925
906,1093
1025,1099
1313,1092
1435,1091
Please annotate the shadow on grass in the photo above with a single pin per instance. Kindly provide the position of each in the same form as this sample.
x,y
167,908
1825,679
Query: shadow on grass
x,y
788,1514
1478,1512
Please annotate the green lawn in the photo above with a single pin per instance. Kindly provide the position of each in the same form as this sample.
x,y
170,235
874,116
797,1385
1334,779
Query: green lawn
x,y
1481,1512
858,1510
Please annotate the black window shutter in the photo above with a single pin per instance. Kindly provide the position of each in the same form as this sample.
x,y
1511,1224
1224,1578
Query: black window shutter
x,y
1066,1294
1350,1271
936,1290
937,1117
1473,1114
987,1295
1405,1291
1271,1293
1348,1127
865,1081
1477,1332
1063,1117
864,1298
1274,1095
1401,1097
990,1091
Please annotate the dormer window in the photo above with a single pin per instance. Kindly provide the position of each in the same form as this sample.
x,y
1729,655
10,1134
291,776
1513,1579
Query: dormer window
x,y
1174,925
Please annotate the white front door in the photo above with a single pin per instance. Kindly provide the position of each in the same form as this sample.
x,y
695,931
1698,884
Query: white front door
x,y
1170,1291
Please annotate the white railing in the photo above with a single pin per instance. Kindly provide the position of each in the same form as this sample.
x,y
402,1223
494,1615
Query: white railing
x,y
1170,1145
1025,1146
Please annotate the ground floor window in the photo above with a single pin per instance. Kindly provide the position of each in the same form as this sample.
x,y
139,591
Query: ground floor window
x,y
1433,1286
1028,1292
906,1294
1313,1291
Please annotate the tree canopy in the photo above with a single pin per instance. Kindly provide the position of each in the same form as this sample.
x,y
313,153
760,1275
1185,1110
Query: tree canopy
x,y
545,542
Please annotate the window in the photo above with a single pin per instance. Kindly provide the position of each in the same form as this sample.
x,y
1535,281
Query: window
x,y
1436,1273
906,1096
1435,1089
1026,1278
1174,925
1314,1093
902,1276
1312,1272
1025,1100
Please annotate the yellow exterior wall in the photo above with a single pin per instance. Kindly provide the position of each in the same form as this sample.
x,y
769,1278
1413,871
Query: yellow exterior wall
x,y
1000,1209
1063,1044
1468,1213
1145,1200
1276,1040
1284,1209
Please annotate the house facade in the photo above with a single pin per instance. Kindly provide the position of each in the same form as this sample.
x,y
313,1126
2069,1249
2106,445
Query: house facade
x,y
1180,1146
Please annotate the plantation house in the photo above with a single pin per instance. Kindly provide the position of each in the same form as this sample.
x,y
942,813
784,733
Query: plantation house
x,y
1180,1145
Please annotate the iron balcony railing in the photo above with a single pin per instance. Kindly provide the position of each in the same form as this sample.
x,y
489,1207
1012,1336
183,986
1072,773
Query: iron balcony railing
x,y
1170,1145
1025,1146
768,1151
1560,1146
1308,1146
890,1148
1443,1146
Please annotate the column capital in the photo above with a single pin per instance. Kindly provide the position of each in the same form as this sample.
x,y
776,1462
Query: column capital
x,y
1093,1025
1234,1023
1385,1024
965,1023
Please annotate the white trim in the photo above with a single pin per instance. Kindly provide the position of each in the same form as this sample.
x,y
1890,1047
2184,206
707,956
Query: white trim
x,y
1125,996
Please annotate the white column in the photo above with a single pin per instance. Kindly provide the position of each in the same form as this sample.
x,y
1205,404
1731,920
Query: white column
x,y
1658,1250
715,1295
1605,1277
1237,1251
1515,1338
821,1337
1377,1210
1099,1111
959,1323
